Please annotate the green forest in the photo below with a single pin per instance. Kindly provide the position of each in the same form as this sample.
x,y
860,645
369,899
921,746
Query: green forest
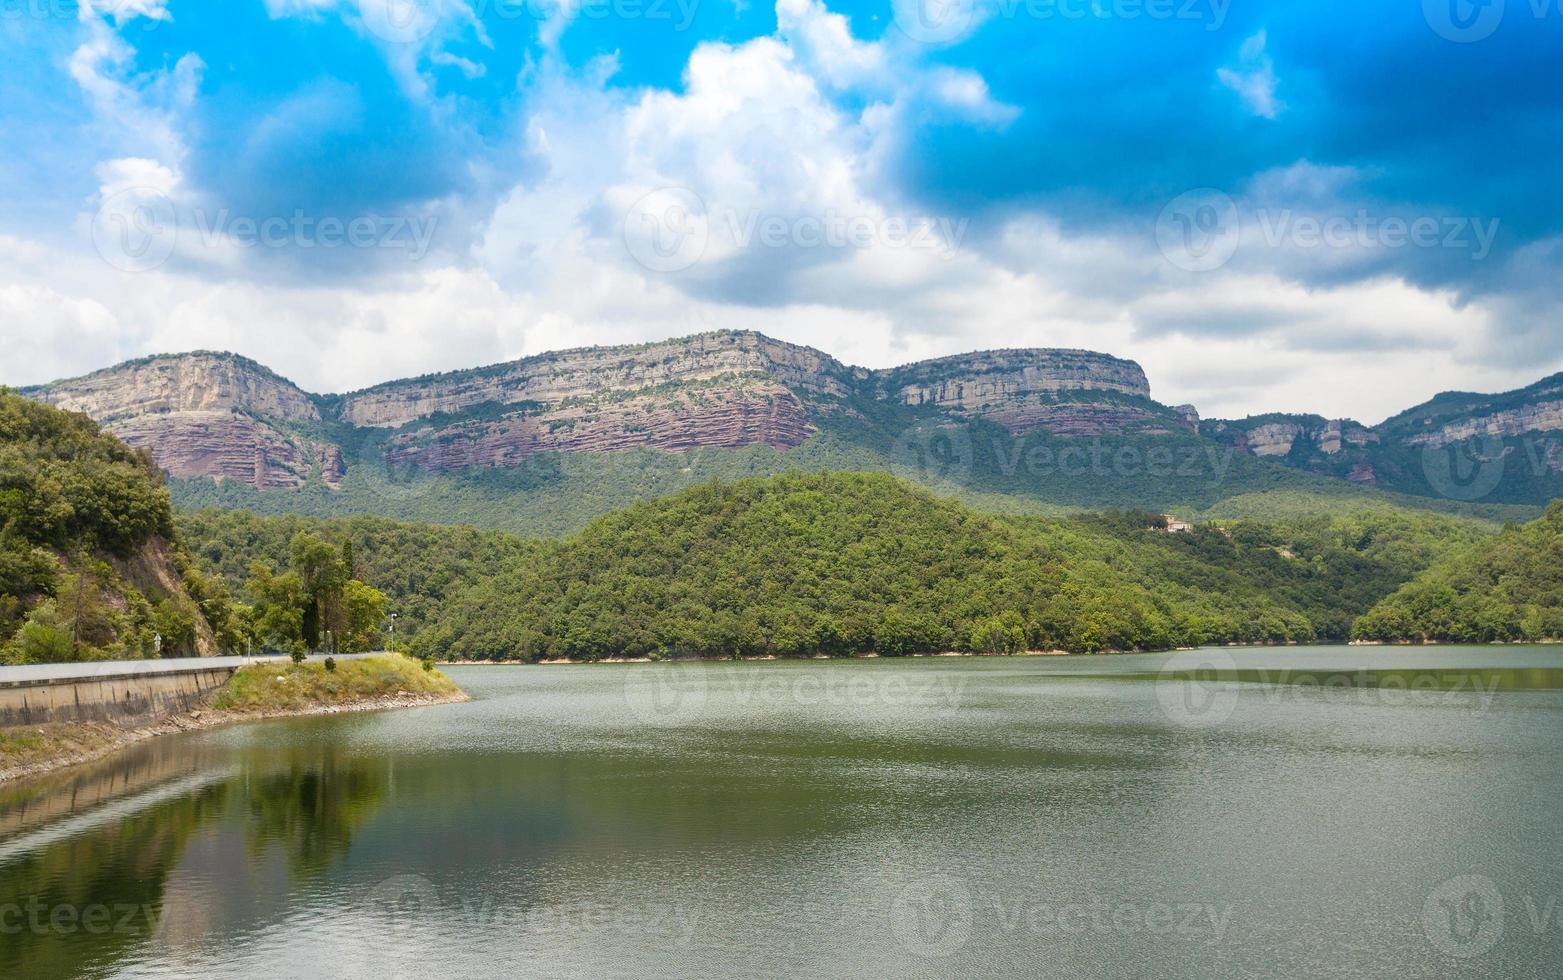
x,y
84,529
1503,589
859,563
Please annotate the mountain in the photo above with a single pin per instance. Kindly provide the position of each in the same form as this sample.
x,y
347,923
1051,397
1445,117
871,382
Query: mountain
x,y
1504,448
89,565
546,443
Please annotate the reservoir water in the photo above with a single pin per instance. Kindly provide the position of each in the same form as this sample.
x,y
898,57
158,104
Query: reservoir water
x,y
1307,812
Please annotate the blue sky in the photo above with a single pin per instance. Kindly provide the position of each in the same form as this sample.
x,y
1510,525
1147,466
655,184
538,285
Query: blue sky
x,y
1331,207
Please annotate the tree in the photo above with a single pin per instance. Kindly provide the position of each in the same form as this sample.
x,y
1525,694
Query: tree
x,y
278,616
363,610
319,567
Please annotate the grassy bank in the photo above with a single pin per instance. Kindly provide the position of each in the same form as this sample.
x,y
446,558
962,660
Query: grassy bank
x,y
283,688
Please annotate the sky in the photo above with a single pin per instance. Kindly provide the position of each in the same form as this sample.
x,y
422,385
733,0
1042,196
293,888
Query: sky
x,y
1338,206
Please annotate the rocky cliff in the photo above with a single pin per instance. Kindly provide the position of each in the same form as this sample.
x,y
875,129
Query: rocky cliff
x,y
1460,416
1395,453
205,414
228,418
588,372
201,381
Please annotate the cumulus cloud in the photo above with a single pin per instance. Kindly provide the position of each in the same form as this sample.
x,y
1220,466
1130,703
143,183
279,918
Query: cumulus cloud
x,y
764,182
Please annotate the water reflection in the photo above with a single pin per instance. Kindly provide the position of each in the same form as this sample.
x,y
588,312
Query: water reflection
x,y
150,860
820,819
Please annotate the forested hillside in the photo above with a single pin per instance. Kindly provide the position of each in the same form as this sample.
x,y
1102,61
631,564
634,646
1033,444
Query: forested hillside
x,y
1504,589
858,563
87,567
418,567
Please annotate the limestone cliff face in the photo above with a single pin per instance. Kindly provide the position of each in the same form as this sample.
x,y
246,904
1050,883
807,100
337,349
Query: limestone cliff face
x,y
729,415
1005,378
556,377
198,382
1064,392
1545,416
1280,436
227,418
228,445
200,414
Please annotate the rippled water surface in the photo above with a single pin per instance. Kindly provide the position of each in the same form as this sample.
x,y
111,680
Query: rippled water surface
x,y
1295,813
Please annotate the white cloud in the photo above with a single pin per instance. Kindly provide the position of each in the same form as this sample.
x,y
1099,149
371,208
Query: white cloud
x,y
1254,78
795,127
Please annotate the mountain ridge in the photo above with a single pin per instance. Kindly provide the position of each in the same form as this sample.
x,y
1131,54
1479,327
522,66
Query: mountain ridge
x,y
215,419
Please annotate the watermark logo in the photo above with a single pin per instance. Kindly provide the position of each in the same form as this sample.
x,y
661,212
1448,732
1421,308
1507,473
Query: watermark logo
x,y
933,452
136,229
937,916
1191,691
401,21
1463,21
932,917
667,230
666,694
1465,471
401,902
934,21
1463,917
1199,230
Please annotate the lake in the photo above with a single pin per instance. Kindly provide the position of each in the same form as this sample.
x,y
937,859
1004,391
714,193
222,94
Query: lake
x,y
1304,812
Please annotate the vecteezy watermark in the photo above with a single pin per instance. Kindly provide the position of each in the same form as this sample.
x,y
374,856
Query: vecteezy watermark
x,y
938,915
35,916
71,10
1201,230
1467,471
671,694
413,21
1466,917
1192,691
1104,459
666,694
138,229
671,229
409,905
1474,468
945,21
1202,688
933,452
944,452
1469,21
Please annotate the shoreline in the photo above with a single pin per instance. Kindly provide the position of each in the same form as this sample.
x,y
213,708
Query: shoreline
x,y
762,658
90,741
1342,645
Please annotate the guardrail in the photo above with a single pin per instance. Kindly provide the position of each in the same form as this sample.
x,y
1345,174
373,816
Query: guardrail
x,y
103,670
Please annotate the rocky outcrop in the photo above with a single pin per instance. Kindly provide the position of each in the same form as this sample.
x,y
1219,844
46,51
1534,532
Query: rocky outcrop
x,y
1279,436
995,380
1064,392
202,381
588,372
229,446
678,421
1545,416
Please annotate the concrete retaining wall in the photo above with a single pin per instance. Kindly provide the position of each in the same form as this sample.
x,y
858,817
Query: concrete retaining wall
x,y
127,700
